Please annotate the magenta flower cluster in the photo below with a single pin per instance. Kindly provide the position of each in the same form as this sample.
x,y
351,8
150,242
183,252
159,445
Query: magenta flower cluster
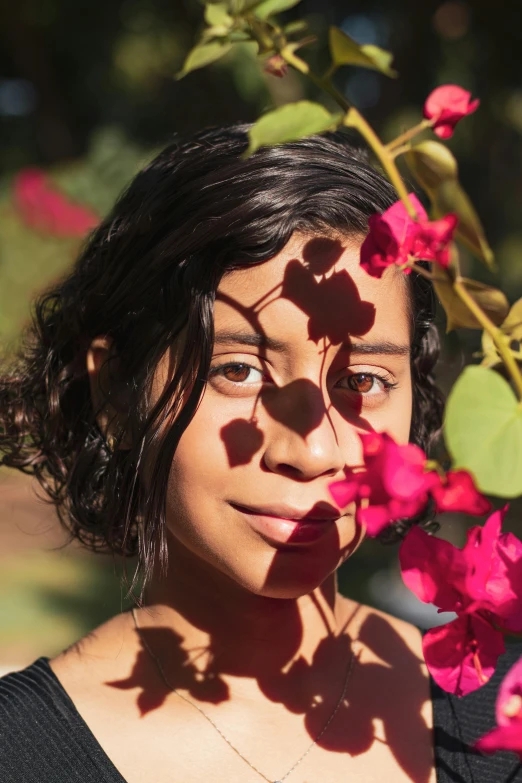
x,y
396,485
396,238
446,106
480,583
48,210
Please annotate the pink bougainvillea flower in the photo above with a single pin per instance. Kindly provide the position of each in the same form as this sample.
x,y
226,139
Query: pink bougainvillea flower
x,y
508,733
485,576
46,209
482,583
494,577
396,485
446,105
458,493
433,569
276,66
462,655
390,237
432,239
394,237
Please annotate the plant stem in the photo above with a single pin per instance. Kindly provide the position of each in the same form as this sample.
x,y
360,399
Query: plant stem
x,y
386,158
496,334
400,150
355,119
287,52
409,134
422,272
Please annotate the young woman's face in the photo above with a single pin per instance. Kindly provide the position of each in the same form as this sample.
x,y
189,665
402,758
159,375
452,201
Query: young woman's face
x,y
310,351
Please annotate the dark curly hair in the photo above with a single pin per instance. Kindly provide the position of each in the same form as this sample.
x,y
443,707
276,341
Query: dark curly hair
x,y
146,275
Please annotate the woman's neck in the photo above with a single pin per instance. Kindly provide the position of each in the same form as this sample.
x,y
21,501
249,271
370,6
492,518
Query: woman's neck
x,y
225,629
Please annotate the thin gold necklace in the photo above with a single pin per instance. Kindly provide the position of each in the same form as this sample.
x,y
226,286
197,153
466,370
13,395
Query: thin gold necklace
x,y
198,708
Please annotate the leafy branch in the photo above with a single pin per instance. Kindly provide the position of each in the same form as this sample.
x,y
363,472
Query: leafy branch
x,y
468,304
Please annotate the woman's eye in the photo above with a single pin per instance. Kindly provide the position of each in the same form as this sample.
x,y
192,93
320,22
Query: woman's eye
x,y
361,383
368,383
238,373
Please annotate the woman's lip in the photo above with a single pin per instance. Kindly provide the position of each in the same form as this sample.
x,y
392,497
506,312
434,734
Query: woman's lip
x,y
287,531
320,512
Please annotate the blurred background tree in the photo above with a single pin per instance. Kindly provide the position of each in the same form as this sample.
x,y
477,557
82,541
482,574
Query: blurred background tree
x,y
87,93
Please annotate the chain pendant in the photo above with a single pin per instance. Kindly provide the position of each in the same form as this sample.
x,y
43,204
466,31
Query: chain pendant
x,y
159,667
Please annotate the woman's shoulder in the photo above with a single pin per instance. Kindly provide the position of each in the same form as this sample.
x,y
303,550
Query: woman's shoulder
x,y
457,722
102,654
377,629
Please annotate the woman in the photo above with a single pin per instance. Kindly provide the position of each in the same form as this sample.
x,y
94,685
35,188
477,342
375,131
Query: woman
x,y
188,393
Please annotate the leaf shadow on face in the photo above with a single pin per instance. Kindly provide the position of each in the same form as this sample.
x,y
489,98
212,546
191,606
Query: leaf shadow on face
x,y
320,254
242,440
335,311
333,305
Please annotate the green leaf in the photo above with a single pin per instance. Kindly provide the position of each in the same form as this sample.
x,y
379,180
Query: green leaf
x,y
483,431
346,51
203,55
269,7
492,357
432,163
238,36
450,197
217,16
436,170
491,300
289,123
210,34
299,26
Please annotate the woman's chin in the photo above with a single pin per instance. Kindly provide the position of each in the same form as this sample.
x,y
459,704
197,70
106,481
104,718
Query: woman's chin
x,y
284,584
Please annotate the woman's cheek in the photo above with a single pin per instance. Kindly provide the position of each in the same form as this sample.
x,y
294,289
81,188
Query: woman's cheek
x,y
222,435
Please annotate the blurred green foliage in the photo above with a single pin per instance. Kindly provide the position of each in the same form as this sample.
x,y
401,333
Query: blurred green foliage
x,y
91,100
30,260
55,597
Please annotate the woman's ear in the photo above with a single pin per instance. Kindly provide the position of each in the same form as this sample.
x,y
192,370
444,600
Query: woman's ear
x,y
100,362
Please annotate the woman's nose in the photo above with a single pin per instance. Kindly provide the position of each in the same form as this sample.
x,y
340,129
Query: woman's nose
x,y
301,440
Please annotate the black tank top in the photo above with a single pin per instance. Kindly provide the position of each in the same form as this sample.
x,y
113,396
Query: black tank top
x,y
43,738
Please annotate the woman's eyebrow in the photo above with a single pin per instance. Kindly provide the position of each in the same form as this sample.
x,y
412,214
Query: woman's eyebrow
x,y
256,339
382,347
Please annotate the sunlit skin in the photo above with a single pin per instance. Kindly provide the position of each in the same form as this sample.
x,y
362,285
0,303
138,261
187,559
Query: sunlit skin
x,y
247,622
